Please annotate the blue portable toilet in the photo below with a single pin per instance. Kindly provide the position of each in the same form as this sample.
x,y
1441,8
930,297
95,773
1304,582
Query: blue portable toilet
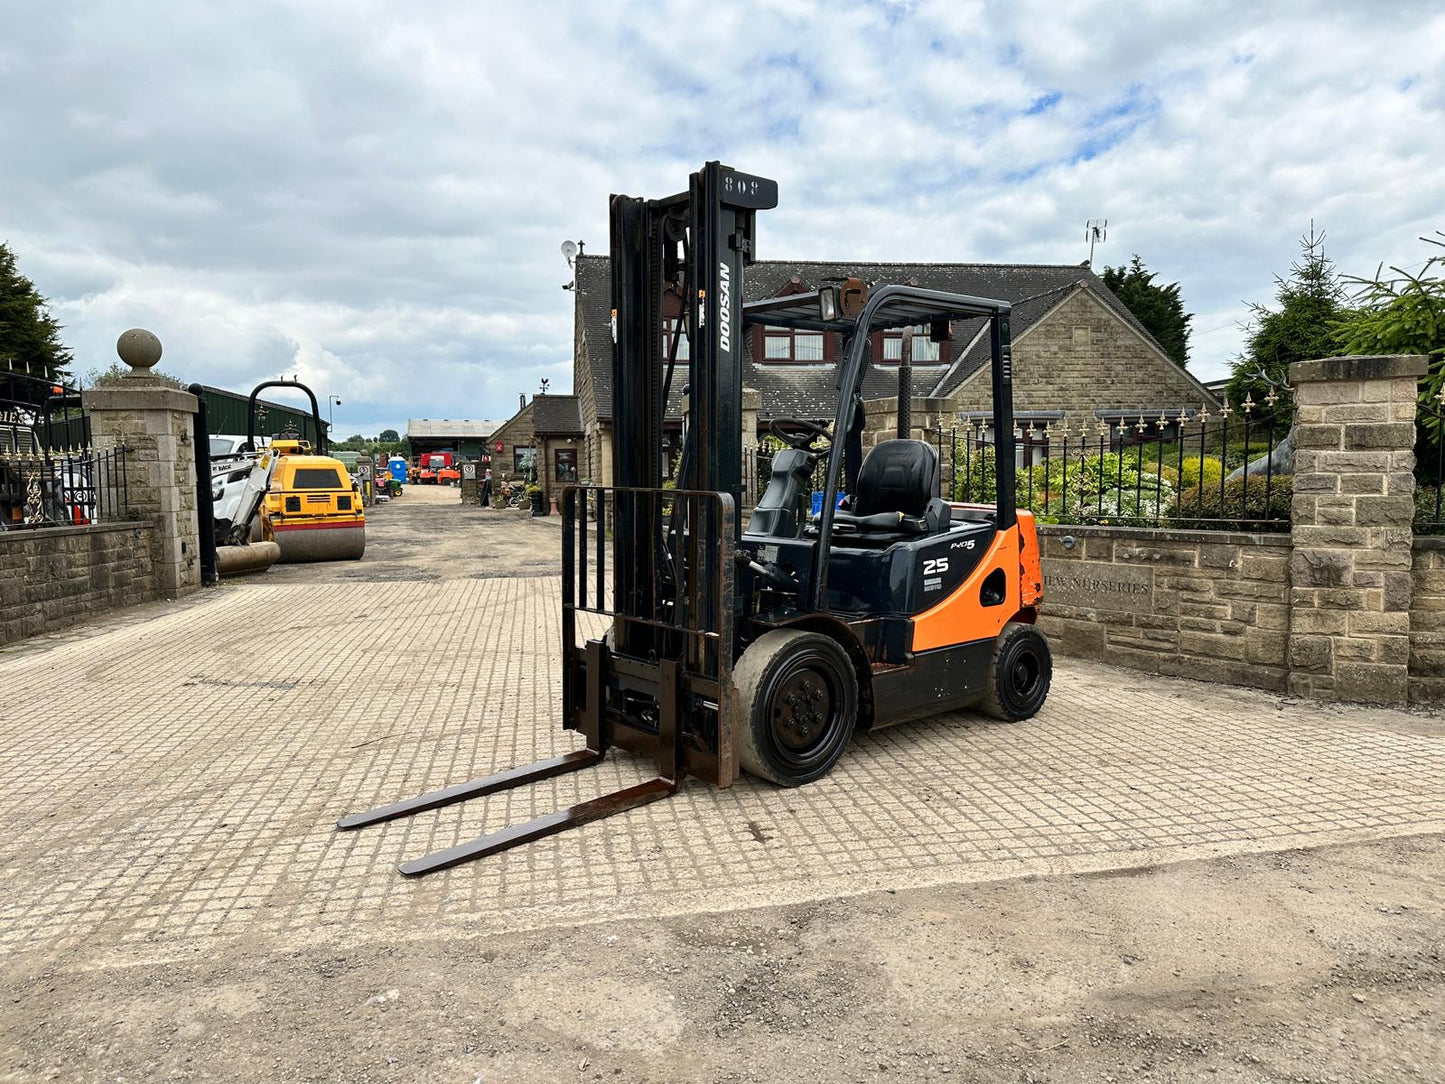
x,y
396,465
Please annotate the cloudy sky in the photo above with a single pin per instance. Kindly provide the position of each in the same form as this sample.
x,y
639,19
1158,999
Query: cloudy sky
x,y
372,195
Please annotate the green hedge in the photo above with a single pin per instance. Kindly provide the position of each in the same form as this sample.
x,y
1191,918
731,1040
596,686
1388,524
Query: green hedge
x,y
1247,504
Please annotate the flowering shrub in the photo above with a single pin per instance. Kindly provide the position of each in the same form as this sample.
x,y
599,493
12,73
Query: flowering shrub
x,y
1115,489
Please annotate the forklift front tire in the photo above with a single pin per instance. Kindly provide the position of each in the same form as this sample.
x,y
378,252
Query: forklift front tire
x,y
1019,674
799,697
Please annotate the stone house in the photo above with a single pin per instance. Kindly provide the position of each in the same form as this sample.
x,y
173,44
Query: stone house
x,y
1080,357
549,428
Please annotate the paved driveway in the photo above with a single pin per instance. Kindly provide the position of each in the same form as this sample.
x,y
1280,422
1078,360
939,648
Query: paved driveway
x,y
175,781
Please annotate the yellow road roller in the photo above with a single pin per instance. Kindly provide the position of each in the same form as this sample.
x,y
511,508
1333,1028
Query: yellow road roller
x,y
313,507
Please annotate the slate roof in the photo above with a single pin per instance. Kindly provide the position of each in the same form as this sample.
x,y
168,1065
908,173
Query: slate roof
x,y
808,391
560,414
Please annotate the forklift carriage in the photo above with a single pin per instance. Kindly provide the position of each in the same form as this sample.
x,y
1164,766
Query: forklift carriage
x,y
722,650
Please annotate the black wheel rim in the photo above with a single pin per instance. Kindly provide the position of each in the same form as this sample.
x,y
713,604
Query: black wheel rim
x,y
1024,673
803,713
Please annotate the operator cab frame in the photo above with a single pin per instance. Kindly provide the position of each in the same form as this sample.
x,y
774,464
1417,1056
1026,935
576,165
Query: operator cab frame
x,y
896,544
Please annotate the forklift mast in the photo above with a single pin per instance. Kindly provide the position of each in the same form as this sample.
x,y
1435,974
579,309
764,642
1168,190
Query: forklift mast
x,y
697,242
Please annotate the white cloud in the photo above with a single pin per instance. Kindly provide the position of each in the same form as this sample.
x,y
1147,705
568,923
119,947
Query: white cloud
x,y
373,195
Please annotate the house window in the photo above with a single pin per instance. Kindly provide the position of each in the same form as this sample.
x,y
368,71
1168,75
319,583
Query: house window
x,y
1128,430
522,458
673,326
566,464
925,352
802,346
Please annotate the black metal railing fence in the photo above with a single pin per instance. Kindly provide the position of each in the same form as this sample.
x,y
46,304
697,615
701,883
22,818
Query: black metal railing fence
x,y
1191,470
1222,470
63,489
49,474
1430,467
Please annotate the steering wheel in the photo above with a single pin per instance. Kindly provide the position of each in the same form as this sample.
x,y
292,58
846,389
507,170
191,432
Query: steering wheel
x,y
796,433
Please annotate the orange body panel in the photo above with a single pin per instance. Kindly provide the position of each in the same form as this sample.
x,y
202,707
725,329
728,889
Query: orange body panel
x,y
960,618
1031,571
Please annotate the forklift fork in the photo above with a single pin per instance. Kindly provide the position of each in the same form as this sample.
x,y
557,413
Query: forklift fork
x,y
606,805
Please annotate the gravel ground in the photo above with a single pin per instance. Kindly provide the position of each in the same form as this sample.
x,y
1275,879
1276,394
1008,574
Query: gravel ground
x,y
1300,966
428,534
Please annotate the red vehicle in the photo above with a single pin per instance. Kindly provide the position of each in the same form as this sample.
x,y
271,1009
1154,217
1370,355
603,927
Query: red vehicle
x,y
437,467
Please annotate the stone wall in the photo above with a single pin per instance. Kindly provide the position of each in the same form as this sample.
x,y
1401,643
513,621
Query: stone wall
x,y
154,423
1427,622
59,576
516,433
1350,521
1201,604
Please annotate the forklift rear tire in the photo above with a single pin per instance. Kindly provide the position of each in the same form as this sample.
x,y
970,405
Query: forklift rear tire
x,y
799,697
1019,675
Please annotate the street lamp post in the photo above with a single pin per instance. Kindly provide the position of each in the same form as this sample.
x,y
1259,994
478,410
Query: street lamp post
x,y
331,401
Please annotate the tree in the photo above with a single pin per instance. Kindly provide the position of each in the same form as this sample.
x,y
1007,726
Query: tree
x,y
1158,308
389,436
29,336
1310,302
1405,315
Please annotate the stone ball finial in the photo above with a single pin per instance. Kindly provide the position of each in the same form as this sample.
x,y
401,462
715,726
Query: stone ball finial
x,y
139,349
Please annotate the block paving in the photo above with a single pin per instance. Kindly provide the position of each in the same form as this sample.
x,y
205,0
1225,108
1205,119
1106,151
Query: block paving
x,y
174,782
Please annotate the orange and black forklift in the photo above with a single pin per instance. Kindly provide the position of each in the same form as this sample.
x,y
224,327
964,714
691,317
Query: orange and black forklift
x,y
765,650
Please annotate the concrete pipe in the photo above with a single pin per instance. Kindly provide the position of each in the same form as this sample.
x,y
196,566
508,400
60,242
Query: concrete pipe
x,y
321,542
231,560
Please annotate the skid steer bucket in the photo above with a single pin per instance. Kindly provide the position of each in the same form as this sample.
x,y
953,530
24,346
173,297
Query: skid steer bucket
x,y
656,678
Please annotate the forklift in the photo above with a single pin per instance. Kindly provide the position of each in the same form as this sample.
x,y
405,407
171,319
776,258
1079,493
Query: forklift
x,y
764,651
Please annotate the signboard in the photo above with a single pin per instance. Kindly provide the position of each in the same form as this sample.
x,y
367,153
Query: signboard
x,y
469,471
497,447
364,471
1097,585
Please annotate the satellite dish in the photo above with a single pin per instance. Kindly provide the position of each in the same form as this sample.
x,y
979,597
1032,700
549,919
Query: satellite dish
x,y
569,251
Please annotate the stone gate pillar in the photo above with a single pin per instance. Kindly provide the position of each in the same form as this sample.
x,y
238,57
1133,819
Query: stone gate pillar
x,y
752,404
1354,484
153,421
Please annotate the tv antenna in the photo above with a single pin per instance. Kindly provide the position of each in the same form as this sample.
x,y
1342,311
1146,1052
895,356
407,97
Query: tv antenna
x,y
1096,232
570,251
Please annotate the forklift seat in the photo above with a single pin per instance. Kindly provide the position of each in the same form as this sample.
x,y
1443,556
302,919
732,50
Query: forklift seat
x,y
897,476
897,493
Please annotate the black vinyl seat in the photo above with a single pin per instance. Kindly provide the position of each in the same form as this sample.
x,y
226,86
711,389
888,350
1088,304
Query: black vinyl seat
x,y
896,493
